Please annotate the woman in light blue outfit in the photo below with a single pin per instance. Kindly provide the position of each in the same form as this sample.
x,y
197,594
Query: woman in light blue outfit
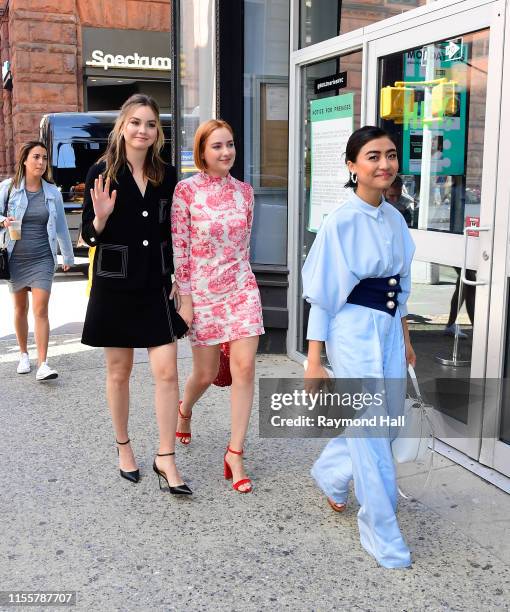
x,y
31,196
357,280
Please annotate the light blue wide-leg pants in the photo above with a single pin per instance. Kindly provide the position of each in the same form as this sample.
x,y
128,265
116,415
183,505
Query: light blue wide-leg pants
x,y
367,343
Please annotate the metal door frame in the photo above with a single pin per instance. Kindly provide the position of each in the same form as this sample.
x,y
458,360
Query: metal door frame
x,y
448,249
439,20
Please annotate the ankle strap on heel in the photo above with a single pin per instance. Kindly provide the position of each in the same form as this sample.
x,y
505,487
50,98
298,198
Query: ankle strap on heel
x,y
165,454
122,443
185,418
229,450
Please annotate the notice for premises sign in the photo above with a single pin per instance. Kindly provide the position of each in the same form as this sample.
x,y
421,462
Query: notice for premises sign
x,y
332,122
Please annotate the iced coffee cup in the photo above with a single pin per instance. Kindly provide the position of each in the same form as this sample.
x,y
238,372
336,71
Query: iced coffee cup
x,y
15,229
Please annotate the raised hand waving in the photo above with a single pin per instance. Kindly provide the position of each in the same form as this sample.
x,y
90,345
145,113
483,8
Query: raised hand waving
x,y
103,201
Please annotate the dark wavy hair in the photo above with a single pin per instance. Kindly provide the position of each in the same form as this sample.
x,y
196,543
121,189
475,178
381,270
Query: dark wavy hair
x,y
358,140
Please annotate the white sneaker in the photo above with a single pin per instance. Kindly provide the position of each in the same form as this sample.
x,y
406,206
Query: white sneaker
x,y
24,364
450,330
44,372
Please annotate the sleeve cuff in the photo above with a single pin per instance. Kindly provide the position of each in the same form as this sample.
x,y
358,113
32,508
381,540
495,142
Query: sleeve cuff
x,y
318,324
90,235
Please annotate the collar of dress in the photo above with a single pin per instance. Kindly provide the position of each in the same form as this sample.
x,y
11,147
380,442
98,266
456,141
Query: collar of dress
x,y
215,180
372,211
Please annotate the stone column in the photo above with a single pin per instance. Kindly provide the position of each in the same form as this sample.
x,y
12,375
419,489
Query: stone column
x,y
6,148
43,50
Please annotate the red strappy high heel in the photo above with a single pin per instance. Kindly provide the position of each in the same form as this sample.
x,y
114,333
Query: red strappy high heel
x,y
228,473
184,437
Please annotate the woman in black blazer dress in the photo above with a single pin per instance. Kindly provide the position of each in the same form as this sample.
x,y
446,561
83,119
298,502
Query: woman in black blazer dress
x,y
126,216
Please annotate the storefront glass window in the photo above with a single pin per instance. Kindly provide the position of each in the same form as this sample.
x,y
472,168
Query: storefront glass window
x,y
326,127
111,93
266,72
197,73
323,19
432,100
434,313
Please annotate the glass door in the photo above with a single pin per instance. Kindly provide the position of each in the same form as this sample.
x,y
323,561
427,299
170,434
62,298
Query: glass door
x,y
435,87
326,86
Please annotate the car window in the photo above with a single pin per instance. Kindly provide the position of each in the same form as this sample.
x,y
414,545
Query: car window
x,y
71,161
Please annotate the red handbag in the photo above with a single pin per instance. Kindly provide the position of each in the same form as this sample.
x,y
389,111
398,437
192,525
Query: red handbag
x,y
224,377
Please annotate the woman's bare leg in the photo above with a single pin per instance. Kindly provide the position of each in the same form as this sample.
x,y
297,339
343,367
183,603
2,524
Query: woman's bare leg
x,y
163,360
21,318
242,367
119,363
40,300
206,360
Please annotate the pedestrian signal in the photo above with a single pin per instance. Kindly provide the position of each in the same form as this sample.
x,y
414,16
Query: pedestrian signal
x,y
395,102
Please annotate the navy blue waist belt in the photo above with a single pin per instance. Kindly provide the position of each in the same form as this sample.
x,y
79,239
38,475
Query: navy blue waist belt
x,y
377,293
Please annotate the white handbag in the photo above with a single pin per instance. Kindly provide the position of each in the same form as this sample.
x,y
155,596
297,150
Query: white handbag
x,y
416,435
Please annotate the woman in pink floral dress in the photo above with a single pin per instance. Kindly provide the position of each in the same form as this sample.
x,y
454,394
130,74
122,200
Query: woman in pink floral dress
x,y
212,215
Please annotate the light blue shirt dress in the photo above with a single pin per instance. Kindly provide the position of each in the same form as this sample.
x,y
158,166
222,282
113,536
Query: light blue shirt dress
x,y
358,241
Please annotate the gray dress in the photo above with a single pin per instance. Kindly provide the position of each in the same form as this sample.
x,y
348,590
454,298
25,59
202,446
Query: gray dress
x,y
31,262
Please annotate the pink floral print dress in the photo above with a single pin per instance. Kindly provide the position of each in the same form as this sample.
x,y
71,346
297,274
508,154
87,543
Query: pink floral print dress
x,y
211,226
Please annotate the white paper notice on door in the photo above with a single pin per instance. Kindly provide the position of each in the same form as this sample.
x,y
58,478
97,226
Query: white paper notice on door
x,y
277,102
332,123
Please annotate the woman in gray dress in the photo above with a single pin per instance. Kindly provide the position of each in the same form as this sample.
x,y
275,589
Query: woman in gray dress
x,y
32,198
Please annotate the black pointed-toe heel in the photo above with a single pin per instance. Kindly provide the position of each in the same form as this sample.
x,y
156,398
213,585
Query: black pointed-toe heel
x,y
133,476
181,489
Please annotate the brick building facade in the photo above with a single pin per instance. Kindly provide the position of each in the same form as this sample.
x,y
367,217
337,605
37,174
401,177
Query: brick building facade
x,y
42,41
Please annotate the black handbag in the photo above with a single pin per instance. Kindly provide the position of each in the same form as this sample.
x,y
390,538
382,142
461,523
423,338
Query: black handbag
x,y
4,255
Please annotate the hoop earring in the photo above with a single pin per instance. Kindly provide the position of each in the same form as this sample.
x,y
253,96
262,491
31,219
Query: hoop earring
x,y
354,177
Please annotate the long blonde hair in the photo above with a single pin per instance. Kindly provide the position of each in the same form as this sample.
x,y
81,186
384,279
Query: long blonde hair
x,y
115,154
20,170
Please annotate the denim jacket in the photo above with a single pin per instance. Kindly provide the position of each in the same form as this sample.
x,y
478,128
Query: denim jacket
x,y
57,224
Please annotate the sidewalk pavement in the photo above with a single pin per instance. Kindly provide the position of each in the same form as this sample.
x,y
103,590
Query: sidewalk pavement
x,y
69,522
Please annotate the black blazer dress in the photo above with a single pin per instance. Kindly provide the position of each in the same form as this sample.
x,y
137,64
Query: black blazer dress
x,y
129,305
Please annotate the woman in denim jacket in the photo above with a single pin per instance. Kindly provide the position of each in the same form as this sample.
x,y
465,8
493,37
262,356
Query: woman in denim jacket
x,y
32,198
